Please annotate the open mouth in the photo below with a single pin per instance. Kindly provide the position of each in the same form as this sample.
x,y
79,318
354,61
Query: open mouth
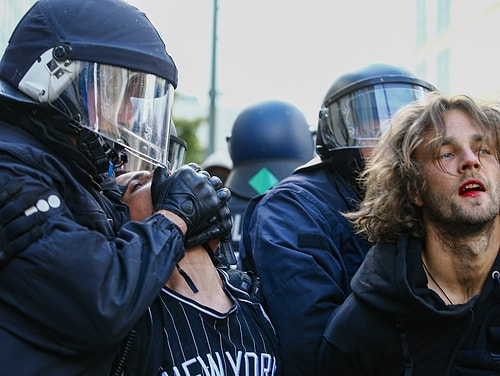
x,y
471,188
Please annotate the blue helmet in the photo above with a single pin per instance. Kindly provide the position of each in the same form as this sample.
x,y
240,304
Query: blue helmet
x,y
358,106
109,32
100,63
356,111
268,141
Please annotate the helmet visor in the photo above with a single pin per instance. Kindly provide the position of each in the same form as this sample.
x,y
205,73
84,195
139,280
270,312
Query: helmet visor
x,y
176,152
359,119
126,107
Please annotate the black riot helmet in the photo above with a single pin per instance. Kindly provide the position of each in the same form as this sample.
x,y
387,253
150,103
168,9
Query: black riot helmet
x,y
357,109
102,65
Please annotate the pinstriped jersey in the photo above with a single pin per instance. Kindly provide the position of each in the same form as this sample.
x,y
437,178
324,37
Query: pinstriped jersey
x,y
180,337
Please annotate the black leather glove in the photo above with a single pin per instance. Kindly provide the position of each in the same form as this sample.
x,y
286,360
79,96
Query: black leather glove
x,y
216,227
190,193
20,220
476,363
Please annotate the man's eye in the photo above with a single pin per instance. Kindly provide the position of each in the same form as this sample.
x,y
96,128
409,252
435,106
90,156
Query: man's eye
x,y
484,151
136,186
446,156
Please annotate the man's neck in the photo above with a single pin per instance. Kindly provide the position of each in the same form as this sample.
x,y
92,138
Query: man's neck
x,y
200,269
460,265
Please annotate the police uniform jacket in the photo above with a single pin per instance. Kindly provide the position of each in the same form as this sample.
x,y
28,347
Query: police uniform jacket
x,y
305,253
69,297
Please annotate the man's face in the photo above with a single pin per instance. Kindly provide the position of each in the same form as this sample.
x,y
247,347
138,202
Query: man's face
x,y
137,196
463,181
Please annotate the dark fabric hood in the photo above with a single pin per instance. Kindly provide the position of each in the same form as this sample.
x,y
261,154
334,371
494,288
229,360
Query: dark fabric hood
x,y
392,279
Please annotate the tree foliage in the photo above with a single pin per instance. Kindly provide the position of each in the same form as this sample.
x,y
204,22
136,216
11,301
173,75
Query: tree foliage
x,y
187,129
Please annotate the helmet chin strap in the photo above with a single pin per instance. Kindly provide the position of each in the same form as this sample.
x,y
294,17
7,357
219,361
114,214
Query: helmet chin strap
x,y
349,163
100,153
188,279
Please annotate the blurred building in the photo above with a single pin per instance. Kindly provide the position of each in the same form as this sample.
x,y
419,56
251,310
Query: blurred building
x,y
11,12
457,45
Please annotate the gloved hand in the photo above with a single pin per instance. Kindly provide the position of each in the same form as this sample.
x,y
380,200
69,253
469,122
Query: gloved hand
x,y
20,220
476,363
190,193
216,228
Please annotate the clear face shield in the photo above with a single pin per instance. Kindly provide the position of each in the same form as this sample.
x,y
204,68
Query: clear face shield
x,y
176,157
129,109
176,152
359,119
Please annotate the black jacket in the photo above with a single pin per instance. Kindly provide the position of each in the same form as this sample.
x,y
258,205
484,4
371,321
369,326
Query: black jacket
x,y
70,297
392,324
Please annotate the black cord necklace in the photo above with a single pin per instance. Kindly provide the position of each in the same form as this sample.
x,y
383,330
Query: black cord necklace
x,y
435,282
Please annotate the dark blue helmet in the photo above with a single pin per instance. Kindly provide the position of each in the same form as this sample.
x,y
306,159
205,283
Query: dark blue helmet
x,y
104,31
268,141
102,64
358,106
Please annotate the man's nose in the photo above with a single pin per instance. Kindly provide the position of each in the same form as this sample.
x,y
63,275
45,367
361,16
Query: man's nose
x,y
470,160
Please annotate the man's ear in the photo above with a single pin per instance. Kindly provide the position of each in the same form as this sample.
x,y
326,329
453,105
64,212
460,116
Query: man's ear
x,y
418,201
416,198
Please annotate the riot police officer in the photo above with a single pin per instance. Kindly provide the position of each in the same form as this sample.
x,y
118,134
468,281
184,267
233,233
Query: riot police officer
x,y
82,84
295,237
268,141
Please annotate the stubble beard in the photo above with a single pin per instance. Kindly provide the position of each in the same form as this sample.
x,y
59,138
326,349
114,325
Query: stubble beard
x,y
459,220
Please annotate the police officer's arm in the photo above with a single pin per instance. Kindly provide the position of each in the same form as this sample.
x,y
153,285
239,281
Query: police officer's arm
x,y
81,287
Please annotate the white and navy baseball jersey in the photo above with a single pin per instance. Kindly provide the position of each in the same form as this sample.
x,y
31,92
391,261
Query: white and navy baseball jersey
x,y
180,337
